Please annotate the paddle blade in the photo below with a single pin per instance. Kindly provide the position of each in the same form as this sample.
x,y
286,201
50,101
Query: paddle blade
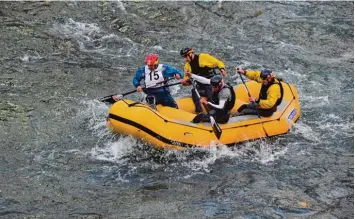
x,y
108,99
216,129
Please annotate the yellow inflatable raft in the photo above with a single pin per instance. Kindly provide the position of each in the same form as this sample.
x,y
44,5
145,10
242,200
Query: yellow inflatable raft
x,y
167,127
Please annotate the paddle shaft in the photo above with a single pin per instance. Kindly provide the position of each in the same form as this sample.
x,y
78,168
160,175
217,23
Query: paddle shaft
x,y
215,127
111,100
257,110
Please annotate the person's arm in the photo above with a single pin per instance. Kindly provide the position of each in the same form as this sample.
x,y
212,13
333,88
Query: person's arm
x,y
219,106
186,80
138,77
223,96
254,75
170,71
201,79
251,74
206,60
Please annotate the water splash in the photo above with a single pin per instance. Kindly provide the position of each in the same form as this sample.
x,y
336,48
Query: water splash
x,y
92,39
30,57
114,151
95,113
306,132
334,124
314,101
129,153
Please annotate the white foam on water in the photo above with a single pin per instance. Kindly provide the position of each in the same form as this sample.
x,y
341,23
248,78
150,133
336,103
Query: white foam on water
x,y
334,124
256,151
114,151
27,58
107,148
203,164
121,6
78,29
289,46
128,152
96,113
306,132
299,75
311,102
158,47
267,153
92,39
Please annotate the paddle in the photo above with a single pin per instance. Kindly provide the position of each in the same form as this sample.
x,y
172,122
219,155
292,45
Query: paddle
x,y
109,98
216,129
257,110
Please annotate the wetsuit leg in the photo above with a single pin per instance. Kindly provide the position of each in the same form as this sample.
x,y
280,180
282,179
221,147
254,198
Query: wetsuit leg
x,y
208,92
196,101
168,100
247,109
201,117
152,101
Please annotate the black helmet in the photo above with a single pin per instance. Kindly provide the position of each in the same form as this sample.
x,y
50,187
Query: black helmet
x,y
216,80
185,51
265,73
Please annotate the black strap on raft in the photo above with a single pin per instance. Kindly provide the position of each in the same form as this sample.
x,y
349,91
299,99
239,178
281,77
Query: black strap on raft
x,y
278,102
281,80
133,104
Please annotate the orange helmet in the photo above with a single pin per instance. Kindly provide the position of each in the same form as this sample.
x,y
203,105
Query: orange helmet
x,y
152,59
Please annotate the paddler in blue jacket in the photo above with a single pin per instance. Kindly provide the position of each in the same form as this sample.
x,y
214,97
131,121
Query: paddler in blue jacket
x,y
155,76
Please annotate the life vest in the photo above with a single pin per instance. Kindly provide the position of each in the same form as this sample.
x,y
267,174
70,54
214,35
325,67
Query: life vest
x,y
229,104
155,78
263,95
201,71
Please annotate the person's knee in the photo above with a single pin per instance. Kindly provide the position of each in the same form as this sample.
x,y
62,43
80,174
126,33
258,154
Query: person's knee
x,y
266,113
169,101
201,117
242,107
222,120
151,99
173,104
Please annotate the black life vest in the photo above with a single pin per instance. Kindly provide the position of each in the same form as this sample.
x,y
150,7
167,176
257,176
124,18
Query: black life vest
x,y
263,95
229,104
201,71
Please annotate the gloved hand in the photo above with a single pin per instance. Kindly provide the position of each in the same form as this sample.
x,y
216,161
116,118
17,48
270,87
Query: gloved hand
x,y
240,70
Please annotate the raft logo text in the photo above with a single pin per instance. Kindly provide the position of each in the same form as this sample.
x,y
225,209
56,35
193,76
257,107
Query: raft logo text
x,y
292,114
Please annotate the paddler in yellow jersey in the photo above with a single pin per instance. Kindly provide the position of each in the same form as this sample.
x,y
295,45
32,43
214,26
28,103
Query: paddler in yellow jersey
x,y
203,65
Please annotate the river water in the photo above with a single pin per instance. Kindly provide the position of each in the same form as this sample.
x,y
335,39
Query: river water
x,y
58,160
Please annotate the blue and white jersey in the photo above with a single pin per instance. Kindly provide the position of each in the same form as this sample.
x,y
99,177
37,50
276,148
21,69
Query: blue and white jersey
x,y
154,78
